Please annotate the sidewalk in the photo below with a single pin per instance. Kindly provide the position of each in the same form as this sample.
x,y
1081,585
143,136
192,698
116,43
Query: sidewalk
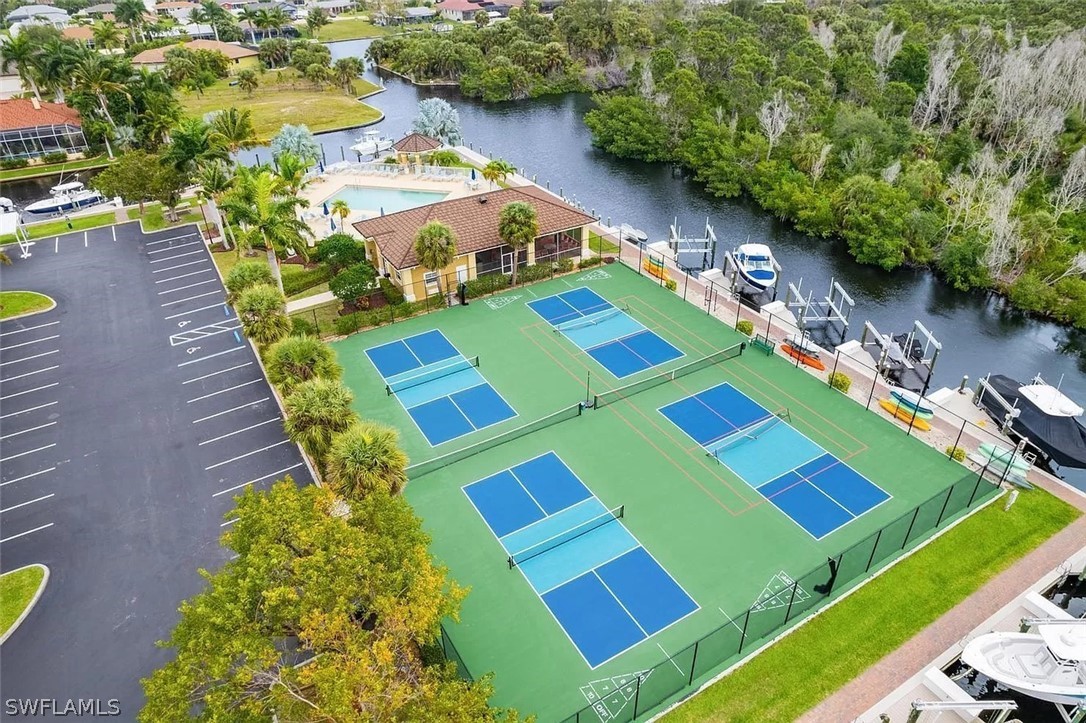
x,y
310,301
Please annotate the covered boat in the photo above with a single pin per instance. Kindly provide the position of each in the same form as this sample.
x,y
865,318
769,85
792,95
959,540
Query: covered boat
x,y
1045,417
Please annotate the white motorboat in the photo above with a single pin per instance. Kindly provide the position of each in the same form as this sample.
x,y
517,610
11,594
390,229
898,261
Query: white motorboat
x,y
755,266
1049,665
6,205
65,197
629,233
371,143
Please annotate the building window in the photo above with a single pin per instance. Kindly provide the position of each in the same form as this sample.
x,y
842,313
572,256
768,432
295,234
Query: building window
x,y
430,280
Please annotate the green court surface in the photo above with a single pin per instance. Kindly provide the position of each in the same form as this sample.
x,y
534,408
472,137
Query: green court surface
x,y
720,540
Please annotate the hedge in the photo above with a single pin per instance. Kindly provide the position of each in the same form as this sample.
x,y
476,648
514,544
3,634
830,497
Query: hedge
x,y
307,279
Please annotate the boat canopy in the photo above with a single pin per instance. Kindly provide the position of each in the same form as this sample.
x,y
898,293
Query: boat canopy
x,y
1061,437
1051,400
66,187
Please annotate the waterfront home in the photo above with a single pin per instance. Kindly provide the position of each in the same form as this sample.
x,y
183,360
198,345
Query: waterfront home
x,y
390,239
36,15
240,57
30,128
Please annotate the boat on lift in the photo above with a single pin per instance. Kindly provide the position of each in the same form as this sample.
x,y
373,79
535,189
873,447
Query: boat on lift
x,y
1048,665
1040,414
755,267
65,197
371,143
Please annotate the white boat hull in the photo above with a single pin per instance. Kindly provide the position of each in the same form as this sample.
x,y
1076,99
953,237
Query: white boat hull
x,y
1022,662
63,204
372,149
756,270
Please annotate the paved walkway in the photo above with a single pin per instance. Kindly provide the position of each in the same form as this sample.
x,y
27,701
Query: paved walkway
x,y
310,301
885,676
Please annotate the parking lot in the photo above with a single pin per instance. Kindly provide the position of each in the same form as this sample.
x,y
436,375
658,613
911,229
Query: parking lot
x,y
129,417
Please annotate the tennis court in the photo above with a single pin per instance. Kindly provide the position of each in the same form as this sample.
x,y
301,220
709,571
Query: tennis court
x,y
817,491
602,587
608,333
441,389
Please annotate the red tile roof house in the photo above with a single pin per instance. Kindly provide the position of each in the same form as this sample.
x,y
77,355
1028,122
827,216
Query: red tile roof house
x,y
390,239
238,55
30,129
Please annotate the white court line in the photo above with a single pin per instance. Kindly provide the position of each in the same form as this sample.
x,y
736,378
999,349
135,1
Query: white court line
x,y
30,328
21,534
178,246
28,343
231,521
223,391
28,358
672,660
237,431
221,371
258,479
32,451
227,411
619,601
182,276
28,391
28,429
30,374
514,474
24,411
27,476
193,311
24,504
187,263
189,286
172,238
171,258
210,356
247,454
191,298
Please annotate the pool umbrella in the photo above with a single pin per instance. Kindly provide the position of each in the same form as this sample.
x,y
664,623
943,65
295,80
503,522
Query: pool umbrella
x,y
333,222
326,208
320,166
382,210
473,174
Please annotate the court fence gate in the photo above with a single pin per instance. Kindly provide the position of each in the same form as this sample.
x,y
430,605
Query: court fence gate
x,y
677,676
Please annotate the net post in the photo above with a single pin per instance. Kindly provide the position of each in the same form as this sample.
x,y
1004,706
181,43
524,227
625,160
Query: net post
x,y
949,492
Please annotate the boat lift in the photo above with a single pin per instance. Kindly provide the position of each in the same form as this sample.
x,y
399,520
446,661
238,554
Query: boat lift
x,y
985,389
12,224
705,245
834,311
903,359
1003,708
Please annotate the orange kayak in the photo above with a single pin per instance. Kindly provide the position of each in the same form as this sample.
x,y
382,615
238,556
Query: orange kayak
x,y
804,358
905,415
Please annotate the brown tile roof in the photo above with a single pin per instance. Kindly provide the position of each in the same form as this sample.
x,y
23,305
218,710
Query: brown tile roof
x,y
473,220
21,113
77,32
157,56
416,143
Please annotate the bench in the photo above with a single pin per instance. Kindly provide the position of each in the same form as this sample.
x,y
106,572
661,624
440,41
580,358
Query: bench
x,y
764,343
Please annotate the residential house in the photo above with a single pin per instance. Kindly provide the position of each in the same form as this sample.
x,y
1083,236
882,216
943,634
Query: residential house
x,y
37,15
179,10
419,15
458,10
390,239
98,12
240,57
30,128
332,7
82,34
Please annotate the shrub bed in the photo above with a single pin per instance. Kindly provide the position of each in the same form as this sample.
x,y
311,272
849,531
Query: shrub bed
x,y
297,282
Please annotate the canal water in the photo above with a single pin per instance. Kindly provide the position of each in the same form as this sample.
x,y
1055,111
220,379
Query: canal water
x,y
548,139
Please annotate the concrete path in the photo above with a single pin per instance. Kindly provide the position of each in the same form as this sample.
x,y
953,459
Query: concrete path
x,y
310,301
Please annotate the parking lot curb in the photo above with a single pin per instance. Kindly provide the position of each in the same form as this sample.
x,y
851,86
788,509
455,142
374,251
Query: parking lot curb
x,y
33,601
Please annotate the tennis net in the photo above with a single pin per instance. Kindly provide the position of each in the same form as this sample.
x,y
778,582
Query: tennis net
x,y
430,372
590,319
752,431
604,398
519,558
431,465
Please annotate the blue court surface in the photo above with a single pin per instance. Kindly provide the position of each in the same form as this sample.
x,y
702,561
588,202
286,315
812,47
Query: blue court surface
x,y
604,589
441,389
819,492
610,335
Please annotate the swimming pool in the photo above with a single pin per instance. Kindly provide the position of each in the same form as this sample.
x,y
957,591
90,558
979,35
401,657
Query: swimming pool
x,y
389,200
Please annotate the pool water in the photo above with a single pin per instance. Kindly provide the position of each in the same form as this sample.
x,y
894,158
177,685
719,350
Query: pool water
x,y
389,200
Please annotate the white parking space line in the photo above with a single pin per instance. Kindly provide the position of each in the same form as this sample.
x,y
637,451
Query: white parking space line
x,y
225,411
171,268
28,343
247,454
29,328
231,521
85,239
31,451
23,534
202,308
27,476
191,298
237,431
221,391
172,238
171,258
28,358
221,371
30,374
171,248
28,429
258,479
113,230
56,245
189,286
182,276
211,356
30,409
28,391
30,502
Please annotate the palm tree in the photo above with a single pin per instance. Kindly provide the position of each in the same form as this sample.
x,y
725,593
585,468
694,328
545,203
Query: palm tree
x,y
262,311
298,359
233,129
247,81
250,17
318,411
131,13
518,227
315,20
94,77
55,63
366,459
205,16
215,180
498,170
193,142
25,54
345,71
260,203
107,35
435,248
263,21
342,209
277,20
292,170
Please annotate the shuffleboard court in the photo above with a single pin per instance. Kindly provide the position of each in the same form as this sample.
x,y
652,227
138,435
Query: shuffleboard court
x,y
603,588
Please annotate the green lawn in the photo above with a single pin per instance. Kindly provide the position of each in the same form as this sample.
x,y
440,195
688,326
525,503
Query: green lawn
x,y
283,97
60,227
154,216
226,260
324,316
16,590
601,245
797,673
16,303
14,174
348,29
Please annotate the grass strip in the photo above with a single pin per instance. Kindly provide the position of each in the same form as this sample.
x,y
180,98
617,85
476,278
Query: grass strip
x,y
154,216
17,588
601,245
16,303
806,667
59,227
16,174
348,29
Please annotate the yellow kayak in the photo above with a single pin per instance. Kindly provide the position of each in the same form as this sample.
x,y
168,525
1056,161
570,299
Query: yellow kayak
x,y
905,415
